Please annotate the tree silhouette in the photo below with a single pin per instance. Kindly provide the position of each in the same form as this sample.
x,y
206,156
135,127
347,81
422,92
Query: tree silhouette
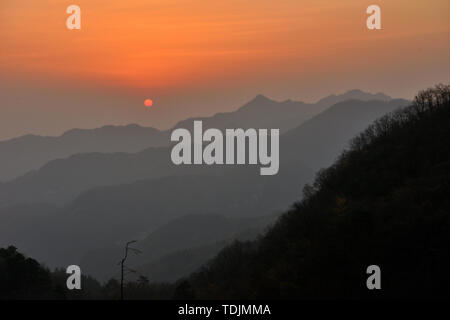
x,y
122,264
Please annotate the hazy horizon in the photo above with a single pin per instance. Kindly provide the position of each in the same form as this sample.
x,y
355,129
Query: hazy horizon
x,y
160,124
204,58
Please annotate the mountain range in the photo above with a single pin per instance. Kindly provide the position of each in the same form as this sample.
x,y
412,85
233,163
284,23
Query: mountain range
x,y
26,153
381,205
86,205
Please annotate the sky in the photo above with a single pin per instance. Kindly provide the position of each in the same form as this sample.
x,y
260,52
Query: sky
x,y
197,57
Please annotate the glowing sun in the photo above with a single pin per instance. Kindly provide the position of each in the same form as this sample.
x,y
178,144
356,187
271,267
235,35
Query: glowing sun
x,y
148,102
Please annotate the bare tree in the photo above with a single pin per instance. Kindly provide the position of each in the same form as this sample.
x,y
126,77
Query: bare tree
x,y
122,264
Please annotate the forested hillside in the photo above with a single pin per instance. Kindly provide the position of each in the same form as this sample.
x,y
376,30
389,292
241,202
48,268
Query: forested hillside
x,y
384,202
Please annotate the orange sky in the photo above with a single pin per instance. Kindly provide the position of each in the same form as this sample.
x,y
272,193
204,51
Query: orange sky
x,y
187,49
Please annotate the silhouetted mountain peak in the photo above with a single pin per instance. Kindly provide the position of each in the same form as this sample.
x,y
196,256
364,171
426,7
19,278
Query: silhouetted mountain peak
x,y
354,94
257,103
354,91
261,98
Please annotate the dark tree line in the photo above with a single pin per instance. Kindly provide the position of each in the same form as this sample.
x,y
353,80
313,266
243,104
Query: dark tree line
x,y
24,278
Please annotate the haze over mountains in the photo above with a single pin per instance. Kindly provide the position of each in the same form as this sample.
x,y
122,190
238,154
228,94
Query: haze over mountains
x,y
22,154
315,141
74,209
29,152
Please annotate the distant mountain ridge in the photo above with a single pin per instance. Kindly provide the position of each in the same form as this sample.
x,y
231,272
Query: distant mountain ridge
x,y
29,152
333,128
103,215
23,154
354,94
93,200
262,112
62,180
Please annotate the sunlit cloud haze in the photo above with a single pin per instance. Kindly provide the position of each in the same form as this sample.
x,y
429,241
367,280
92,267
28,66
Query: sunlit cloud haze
x,y
196,57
